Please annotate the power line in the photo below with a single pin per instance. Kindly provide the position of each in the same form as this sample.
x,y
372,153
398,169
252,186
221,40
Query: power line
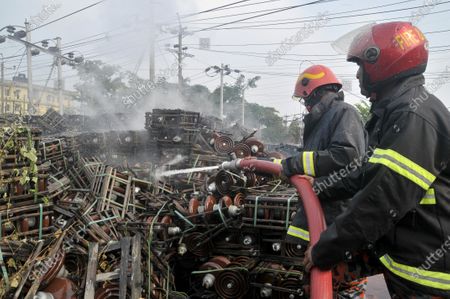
x,y
312,17
234,7
68,15
213,9
332,18
268,13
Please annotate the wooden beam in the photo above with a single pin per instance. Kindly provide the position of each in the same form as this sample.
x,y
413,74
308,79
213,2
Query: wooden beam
x,y
136,276
91,272
123,276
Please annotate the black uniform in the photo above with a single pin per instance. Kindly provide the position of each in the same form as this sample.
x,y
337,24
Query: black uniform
x,y
402,212
334,136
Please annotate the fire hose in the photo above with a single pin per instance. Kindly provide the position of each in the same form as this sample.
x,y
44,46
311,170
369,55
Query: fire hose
x,y
321,281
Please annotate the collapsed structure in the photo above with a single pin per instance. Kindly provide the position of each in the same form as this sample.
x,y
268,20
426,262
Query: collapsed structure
x,y
85,214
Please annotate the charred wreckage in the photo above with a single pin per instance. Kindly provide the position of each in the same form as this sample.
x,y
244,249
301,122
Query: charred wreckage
x,y
85,214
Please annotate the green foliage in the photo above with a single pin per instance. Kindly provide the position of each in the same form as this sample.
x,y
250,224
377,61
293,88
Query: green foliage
x,y
104,85
364,110
265,119
101,84
295,131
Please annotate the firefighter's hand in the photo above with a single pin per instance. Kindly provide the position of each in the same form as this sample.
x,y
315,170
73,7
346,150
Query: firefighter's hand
x,y
310,179
307,262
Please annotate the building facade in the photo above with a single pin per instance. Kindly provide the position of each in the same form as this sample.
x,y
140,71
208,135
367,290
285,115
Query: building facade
x,y
15,98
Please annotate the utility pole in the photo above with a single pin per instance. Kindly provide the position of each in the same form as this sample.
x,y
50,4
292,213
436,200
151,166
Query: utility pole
x,y
243,107
250,83
152,59
179,50
180,56
29,66
152,44
221,91
2,66
223,70
59,83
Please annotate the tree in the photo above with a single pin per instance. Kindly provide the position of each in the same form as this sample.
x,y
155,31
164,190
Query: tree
x,y
265,119
295,131
364,110
104,86
101,85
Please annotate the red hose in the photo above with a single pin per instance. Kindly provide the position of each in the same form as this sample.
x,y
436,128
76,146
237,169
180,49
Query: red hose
x,y
321,281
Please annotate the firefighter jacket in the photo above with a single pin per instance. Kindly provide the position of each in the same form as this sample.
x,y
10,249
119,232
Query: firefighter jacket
x,y
402,211
334,136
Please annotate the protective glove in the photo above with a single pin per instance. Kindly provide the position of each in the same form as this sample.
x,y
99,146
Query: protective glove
x,y
288,165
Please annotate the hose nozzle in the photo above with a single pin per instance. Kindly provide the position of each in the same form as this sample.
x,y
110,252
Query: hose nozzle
x,y
231,165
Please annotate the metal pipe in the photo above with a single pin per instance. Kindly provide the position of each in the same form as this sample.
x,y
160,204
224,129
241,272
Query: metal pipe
x,y
321,281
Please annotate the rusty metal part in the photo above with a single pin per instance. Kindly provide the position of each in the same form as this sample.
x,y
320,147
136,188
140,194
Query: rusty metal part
x,y
231,283
294,250
291,286
108,291
209,203
194,204
256,146
226,201
103,196
61,288
242,150
227,182
216,263
239,199
195,245
223,144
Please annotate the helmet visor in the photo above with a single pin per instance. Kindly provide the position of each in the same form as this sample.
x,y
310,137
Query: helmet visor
x,y
356,44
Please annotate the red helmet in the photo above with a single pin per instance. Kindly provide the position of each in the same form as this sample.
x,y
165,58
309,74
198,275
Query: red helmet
x,y
388,52
312,78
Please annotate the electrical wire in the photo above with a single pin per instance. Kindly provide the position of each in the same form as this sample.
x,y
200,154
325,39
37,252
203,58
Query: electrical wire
x,y
68,15
311,17
332,18
214,9
266,14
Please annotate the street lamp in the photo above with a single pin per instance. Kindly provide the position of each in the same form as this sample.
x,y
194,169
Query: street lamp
x,y
222,70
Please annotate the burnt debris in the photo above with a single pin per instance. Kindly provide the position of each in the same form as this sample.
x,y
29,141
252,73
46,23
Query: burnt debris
x,y
84,214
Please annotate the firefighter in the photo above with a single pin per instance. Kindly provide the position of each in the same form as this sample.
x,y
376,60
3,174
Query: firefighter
x,y
401,214
333,137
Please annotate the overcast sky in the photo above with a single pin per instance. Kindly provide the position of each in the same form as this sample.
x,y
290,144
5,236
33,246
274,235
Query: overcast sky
x,y
118,32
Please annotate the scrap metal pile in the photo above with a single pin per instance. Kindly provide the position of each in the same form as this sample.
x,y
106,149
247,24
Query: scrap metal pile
x,y
75,224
